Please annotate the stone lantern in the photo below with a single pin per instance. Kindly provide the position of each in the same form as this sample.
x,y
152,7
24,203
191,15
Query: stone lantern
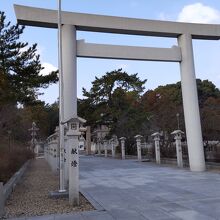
x,y
33,131
113,147
138,140
122,139
113,144
82,140
178,136
156,137
105,148
99,145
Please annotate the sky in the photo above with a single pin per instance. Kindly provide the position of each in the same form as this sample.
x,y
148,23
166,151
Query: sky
x,y
206,53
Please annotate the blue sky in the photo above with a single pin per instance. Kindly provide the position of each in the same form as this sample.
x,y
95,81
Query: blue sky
x,y
206,53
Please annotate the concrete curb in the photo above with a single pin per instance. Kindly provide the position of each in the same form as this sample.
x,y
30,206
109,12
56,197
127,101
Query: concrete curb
x,y
8,188
93,202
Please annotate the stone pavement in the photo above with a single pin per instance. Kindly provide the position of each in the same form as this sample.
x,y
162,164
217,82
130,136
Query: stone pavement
x,y
134,190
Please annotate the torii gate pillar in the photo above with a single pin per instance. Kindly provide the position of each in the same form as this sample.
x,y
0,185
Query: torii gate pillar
x,y
69,71
70,102
190,105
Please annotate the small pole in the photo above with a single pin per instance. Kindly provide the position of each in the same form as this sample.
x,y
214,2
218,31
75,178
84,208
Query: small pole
x,y
61,113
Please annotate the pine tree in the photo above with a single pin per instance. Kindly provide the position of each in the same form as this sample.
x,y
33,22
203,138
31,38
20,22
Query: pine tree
x,y
20,67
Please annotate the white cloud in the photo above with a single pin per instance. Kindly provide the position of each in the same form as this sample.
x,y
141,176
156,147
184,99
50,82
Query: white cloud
x,y
48,67
199,13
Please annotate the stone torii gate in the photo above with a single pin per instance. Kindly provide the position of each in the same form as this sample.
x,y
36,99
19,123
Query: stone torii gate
x,y
183,53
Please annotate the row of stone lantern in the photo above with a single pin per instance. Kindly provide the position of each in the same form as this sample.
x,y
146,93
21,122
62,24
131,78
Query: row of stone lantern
x,y
156,137
177,136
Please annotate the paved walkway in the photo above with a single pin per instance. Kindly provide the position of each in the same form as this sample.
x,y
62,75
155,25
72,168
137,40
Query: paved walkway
x,y
128,189
133,190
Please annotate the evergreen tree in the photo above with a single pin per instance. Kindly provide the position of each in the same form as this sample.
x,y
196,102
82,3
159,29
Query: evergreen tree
x,y
114,100
103,88
20,67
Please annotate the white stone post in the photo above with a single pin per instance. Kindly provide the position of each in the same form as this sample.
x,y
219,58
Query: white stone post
x,y
122,139
72,144
99,147
178,136
113,147
190,105
156,137
138,140
88,140
105,147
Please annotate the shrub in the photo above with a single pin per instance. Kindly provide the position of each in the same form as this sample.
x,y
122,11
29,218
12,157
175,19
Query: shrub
x,y
11,161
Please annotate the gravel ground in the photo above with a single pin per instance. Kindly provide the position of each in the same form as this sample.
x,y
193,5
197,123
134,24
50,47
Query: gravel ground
x,y
30,198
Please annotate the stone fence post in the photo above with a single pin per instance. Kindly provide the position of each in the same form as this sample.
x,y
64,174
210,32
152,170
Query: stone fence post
x,y
99,146
73,164
156,137
105,147
113,147
88,140
178,136
138,140
122,139
55,147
